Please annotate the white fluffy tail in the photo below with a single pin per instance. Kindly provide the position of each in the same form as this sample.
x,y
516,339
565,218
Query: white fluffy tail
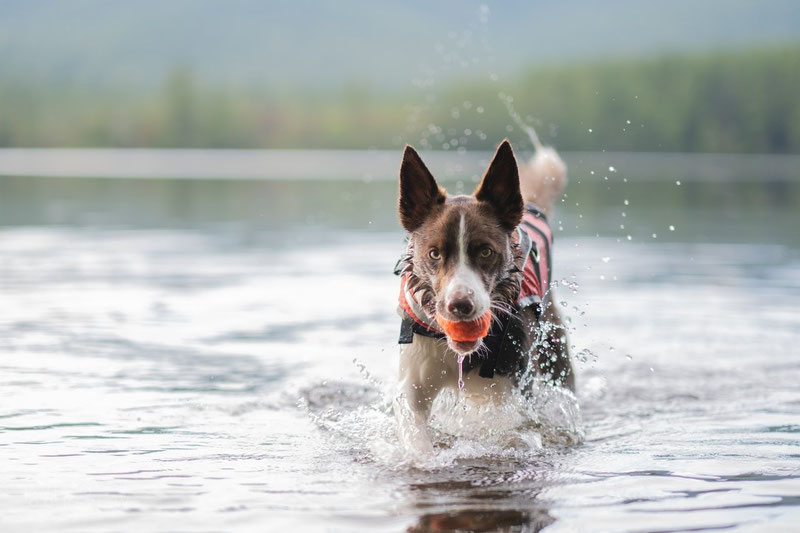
x,y
543,179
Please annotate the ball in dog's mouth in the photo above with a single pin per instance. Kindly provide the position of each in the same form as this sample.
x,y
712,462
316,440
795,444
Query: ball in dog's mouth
x,y
465,336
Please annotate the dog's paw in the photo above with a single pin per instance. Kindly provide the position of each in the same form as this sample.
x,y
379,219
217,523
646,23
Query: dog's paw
x,y
416,442
412,430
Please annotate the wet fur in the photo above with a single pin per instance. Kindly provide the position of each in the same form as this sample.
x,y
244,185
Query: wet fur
x,y
490,217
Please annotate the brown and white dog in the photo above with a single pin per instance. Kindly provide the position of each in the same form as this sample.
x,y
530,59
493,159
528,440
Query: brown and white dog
x,y
469,255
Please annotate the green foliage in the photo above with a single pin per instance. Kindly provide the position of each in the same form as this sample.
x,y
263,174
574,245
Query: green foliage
x,y
722,102
733,102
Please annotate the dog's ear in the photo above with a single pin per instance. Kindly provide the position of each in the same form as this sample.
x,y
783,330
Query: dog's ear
x,y
419,192
500,187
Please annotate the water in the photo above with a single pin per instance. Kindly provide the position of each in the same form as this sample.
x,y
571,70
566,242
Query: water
x,y
220,356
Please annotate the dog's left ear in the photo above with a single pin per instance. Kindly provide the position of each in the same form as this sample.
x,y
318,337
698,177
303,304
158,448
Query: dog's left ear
x,y
500,187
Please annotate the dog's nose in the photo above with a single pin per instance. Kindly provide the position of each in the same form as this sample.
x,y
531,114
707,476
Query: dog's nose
x,y
461,305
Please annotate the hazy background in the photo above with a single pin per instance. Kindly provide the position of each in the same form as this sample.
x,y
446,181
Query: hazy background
x,y
676,114
686,76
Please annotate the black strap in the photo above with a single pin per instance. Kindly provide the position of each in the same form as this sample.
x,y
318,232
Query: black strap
x,y
408,327
535,211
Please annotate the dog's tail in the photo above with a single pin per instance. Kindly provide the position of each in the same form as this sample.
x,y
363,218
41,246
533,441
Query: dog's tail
x,y
543,179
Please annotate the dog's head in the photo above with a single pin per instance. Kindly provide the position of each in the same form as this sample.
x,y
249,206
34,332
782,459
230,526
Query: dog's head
x,y
461,255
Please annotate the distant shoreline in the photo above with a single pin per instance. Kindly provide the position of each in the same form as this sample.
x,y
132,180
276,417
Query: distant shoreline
x,y
367,165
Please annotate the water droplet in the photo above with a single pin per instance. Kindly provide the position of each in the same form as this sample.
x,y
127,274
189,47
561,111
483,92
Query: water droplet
x,y
460,372
611,168
606,259
678,182
671,227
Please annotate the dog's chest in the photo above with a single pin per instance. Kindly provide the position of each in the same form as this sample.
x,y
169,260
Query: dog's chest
x,y
435,364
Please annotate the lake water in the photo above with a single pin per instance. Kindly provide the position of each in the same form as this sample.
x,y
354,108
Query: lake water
x,y
219,356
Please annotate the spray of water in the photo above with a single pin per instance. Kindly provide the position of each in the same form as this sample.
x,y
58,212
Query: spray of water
x,y
360,420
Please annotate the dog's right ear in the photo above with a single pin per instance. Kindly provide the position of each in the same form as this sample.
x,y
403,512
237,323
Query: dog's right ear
x,y
419,192
500,187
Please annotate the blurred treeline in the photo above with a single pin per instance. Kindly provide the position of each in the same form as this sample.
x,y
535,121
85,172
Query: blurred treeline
x,y
747,101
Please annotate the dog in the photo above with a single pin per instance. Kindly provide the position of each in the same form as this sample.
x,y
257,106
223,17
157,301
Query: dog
x,y
474,256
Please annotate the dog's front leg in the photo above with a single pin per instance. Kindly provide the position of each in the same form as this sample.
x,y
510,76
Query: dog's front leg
x,y
422,376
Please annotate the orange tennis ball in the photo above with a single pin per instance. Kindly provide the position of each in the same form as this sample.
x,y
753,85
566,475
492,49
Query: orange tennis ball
x,y
466,330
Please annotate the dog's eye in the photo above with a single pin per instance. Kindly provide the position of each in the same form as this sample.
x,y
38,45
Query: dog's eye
x,y
486,252
434,254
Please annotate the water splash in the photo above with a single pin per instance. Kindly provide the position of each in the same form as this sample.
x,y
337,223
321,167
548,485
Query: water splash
x,y
362,421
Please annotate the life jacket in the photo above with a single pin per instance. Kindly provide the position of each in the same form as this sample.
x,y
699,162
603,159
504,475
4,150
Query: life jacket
x,y
535,239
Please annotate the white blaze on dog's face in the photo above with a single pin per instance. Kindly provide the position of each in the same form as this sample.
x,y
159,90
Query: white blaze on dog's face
x,y
461,244
465,296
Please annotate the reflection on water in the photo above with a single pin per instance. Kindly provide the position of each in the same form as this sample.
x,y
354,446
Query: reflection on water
x,y
220,356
